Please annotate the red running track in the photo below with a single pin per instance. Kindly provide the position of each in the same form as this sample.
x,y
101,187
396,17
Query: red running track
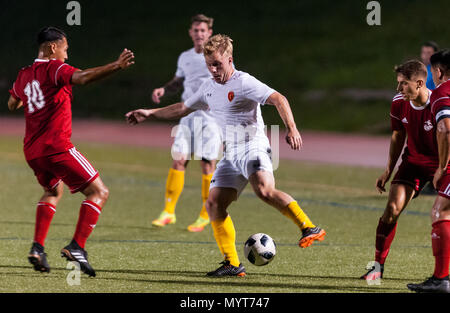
x,y
333,148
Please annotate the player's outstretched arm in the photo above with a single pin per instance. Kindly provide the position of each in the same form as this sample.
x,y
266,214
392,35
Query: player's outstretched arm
x,y
125,60
171,112
398,139
443,141
293,137
171,87
14,104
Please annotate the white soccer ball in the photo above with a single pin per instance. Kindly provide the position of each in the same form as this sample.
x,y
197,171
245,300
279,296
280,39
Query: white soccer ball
x,y
260,249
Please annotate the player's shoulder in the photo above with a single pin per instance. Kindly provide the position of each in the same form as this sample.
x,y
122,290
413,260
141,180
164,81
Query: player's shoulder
x,y
398,98
443,90
186,53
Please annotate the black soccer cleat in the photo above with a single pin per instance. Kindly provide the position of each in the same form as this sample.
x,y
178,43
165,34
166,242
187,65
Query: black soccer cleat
x,y
432,284
38,258
374,273
228,270
73,252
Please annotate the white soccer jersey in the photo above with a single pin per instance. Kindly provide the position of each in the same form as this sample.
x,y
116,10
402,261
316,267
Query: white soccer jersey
x,y
192,67
234,105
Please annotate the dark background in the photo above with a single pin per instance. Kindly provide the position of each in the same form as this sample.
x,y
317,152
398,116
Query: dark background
x,y
335,69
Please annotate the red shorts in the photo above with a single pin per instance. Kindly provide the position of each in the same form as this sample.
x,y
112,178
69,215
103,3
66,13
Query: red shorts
x,y
71,167
414,175
444,186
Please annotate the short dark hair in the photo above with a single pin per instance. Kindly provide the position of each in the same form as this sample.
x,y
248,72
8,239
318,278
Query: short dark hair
x,y
442,60
412,68
431,44
201,18
49,34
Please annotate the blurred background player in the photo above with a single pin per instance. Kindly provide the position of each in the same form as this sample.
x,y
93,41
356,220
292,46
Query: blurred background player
x,y
411,120
440,213
426,51
197,133
234,98
44,90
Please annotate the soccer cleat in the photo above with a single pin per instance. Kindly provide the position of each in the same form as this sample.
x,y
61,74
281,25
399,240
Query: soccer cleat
x,y
432,284
38,258
198,225
73,252
309,235
164,219
228,270
374,273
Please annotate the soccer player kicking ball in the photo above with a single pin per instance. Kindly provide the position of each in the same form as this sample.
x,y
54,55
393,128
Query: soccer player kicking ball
x,y
234,99
197,133
440,213
410,119
44,90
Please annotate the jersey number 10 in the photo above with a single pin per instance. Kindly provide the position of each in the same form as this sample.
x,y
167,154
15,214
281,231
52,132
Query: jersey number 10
x,y
35,96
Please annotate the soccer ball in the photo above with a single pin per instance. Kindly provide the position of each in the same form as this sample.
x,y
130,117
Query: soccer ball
x,y
260,249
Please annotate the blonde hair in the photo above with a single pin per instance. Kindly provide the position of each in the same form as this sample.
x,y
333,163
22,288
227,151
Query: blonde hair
x,y
220,43
201,18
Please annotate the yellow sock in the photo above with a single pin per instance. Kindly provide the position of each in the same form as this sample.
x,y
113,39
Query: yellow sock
x,y
174,187
225,236
295,213
206,181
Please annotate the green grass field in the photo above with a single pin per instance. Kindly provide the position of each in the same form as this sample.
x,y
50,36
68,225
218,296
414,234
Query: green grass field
x,y
131,256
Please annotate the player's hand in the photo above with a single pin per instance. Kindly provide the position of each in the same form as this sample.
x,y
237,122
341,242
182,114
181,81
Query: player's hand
x,y
382,180
137,116
294,139
437,176
126,58
157,94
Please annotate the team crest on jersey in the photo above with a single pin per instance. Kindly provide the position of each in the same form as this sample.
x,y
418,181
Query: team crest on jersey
x,y
428,126
231,96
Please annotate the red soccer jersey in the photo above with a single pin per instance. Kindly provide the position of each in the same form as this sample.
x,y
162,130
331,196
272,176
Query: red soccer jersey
x,y
440,101
421,148
46,91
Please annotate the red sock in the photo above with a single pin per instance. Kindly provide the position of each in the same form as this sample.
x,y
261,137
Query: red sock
x,y
385,236
44,216
89,213
440,242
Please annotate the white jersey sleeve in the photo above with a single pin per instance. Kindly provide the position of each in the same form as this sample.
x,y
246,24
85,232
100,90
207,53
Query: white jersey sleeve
x,y
180,72
255,90
198,100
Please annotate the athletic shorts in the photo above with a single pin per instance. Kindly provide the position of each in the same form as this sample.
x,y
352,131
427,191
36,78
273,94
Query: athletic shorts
x,y
233,172
414,175
197,136
444,186
71,167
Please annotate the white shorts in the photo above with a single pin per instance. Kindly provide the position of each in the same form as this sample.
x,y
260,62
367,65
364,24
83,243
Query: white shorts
x,y
234,172
198,136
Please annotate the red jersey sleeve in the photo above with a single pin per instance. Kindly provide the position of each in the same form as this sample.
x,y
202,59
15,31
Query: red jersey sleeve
x,y
440,101
61,73
13,92
396,109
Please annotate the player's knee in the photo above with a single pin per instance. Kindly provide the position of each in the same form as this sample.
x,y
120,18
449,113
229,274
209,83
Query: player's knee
x,y
103,193
392,212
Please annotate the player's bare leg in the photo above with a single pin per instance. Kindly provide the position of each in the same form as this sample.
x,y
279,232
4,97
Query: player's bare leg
x,y
218,201
440,242
263,184
174,187
46,208
208,168
399,197
96,196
